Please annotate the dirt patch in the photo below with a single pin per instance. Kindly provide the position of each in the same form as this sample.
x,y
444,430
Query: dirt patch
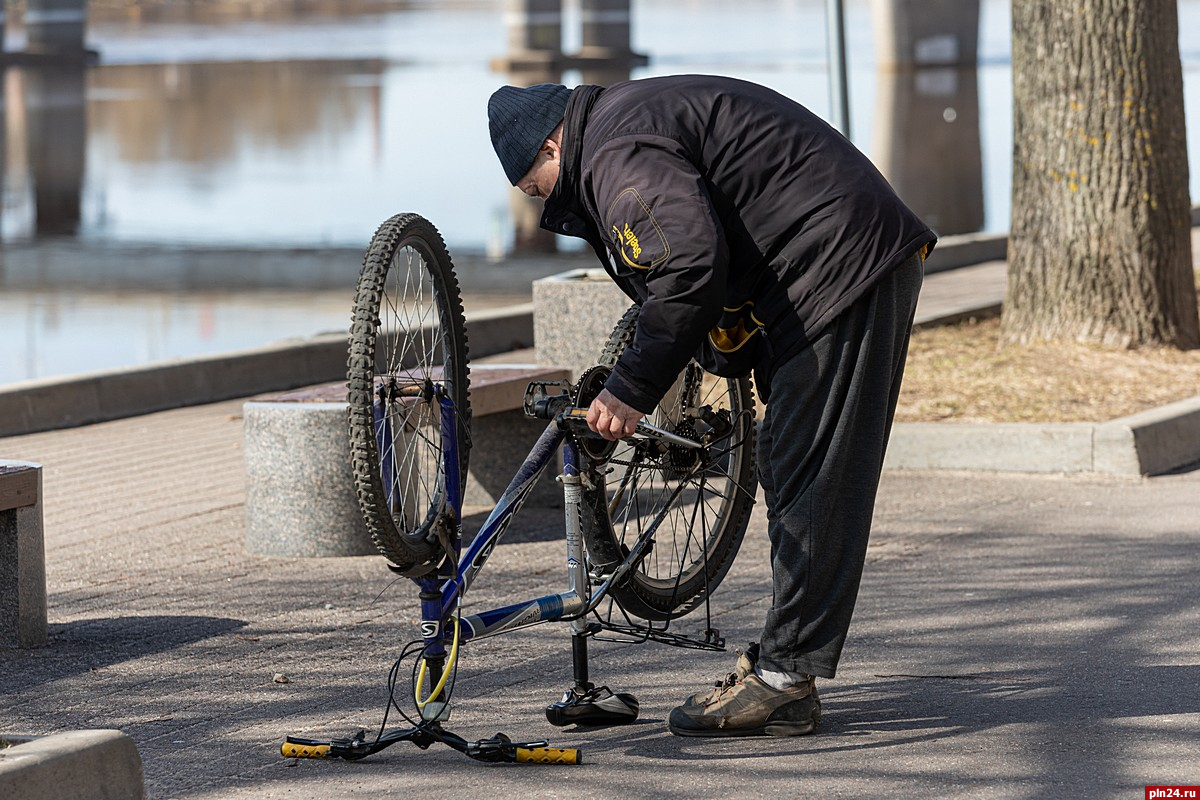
x,y
960,373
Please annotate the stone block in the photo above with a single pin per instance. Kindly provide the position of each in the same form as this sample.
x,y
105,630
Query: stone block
x,y
300,497
500,443
82,765
573,314
22,556
1151,442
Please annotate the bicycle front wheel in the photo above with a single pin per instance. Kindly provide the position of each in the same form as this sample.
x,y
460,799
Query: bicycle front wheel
x,y
408,360
700,499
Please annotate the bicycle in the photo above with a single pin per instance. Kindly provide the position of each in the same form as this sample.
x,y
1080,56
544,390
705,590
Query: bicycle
x,y
652,523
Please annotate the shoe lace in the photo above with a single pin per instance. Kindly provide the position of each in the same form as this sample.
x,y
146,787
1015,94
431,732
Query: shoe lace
x,y
727,682
733,678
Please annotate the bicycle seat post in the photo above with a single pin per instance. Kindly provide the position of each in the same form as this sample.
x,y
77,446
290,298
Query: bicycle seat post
x,y
577,578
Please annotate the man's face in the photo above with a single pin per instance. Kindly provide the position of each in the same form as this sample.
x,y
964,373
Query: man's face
x,y
539,181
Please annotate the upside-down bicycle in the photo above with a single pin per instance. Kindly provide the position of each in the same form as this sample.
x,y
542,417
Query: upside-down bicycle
x,y
652,523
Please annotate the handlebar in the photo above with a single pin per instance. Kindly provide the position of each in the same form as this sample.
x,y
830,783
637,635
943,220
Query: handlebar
x,y
499,748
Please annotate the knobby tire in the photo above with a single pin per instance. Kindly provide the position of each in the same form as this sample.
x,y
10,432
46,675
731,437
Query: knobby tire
x,y
408,335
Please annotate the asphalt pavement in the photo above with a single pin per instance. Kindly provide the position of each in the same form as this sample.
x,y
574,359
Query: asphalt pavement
x,y
1016,637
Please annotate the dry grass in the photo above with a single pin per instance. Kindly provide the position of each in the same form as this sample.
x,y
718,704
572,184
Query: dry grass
x,y
960,373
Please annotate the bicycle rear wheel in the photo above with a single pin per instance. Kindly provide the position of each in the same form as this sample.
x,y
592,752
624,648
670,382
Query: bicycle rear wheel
x,y
704,497
408,354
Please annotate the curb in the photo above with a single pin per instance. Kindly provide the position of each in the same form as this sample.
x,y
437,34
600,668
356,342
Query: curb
x,y
965,249
1148,443
53,403
85,765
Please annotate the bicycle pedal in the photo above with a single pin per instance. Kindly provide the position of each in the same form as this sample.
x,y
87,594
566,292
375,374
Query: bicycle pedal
x,y
599,706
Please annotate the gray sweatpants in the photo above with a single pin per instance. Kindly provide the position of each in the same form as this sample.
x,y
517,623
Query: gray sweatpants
x,y
820,454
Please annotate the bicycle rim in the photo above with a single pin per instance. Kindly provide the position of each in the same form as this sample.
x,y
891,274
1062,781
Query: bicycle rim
x,y
408,350
701,514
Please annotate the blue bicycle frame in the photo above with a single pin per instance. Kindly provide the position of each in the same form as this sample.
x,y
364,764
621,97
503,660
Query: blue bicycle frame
x,y
440,596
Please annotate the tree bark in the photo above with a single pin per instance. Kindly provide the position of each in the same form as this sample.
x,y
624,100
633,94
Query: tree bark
x,y
1100,244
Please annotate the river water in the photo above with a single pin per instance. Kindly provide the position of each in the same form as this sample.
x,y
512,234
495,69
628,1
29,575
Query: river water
x,y
304,124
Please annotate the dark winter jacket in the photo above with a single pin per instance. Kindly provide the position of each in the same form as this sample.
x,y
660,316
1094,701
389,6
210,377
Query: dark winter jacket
x,y
741,221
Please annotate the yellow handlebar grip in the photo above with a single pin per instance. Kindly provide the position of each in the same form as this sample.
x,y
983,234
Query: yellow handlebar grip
x,y
549,755
290,750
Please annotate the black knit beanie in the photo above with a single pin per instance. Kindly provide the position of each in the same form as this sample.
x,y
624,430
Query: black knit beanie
x,y
520,120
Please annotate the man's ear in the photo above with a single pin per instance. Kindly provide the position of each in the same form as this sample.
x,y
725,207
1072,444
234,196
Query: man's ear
x,y
553,148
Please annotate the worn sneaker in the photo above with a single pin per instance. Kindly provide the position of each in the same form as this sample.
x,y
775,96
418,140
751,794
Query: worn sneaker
x,y
743,705
745,666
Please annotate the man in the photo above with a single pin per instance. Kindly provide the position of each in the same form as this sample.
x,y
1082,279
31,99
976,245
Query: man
x,y
754,236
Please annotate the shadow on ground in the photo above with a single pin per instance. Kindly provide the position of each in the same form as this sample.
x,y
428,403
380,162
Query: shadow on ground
x,y
87,645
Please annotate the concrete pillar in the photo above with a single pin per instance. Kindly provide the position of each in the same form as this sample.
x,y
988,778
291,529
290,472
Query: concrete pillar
x,y
528,235
4,120
56,27
606,28
606,53
927,144
22,556
920,33
534,35
534,55
57,137
926,137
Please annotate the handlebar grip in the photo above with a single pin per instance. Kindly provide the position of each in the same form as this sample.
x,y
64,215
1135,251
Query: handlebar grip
x,y
305,750
549,755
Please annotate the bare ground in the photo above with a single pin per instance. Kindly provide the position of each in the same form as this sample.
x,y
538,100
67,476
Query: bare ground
x,y
961,373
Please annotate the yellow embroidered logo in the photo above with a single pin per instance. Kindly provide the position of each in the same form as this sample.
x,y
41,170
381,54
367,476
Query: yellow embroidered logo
x,y
629,239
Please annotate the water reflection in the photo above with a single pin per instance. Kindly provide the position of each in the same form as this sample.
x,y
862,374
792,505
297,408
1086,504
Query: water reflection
x,y
228,124
191,142
66,331
205,114
139,141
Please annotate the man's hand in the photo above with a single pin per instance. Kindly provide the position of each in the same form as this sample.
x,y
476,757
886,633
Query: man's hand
x,y
612,418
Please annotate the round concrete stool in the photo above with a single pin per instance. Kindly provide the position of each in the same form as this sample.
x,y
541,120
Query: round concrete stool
x,y
300,497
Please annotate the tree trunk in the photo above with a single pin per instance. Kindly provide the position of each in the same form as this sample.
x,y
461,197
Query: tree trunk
x,y
1100,246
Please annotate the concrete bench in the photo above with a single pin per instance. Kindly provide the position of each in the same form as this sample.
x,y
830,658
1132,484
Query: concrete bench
x,y
22,556
300,497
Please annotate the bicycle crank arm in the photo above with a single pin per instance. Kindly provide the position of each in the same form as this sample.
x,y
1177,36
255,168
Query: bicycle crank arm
x,y
576,419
